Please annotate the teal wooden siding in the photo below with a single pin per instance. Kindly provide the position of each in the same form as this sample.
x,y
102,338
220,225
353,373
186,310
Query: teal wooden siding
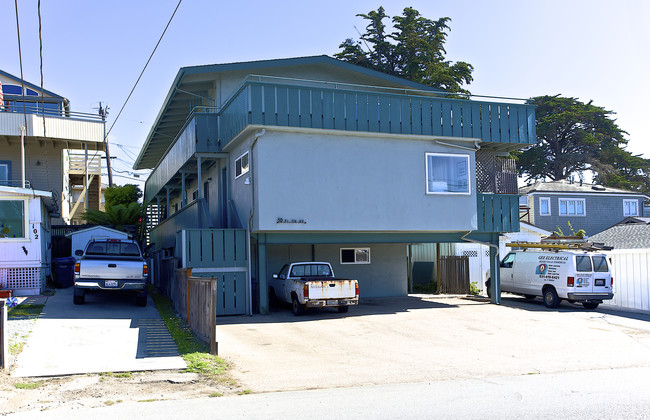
x,y
498,212
350,110
221,254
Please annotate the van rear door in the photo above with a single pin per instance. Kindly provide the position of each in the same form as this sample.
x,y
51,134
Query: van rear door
x,y
602,274
584,281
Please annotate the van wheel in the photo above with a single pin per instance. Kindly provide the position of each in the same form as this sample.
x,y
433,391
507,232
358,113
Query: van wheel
x,y
296,307
590,305
551,299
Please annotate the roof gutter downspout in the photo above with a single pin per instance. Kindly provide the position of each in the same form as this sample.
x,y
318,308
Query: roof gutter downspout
x,y
496,297
252,177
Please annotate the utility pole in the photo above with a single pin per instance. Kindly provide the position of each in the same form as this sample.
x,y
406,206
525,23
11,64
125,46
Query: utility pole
x,y
103,112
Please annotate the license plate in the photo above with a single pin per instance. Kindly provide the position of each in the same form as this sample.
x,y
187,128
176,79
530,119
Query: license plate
x,y
110,283
600,282
332,302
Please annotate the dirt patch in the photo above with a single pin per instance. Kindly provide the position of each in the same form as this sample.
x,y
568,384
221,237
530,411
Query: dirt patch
x,y
99,390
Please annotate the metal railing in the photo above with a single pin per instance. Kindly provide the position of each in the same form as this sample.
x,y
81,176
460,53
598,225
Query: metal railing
x,y
35,108
15,183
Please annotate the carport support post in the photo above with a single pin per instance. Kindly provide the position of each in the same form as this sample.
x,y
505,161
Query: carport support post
x,y
262,277
495,283
4,345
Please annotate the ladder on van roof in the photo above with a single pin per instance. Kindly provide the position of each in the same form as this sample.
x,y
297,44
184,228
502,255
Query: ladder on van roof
x,y
562,242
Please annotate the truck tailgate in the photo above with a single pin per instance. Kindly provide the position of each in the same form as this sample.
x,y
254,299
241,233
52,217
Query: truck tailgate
x,y
113,269
332,289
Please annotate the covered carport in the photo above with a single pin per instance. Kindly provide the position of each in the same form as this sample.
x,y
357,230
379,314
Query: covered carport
x,y
385,273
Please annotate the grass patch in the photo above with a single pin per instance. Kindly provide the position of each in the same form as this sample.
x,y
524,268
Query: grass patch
x,y
215,395
28,385
25,311
245,392
117,375
150,400
15,348
192,349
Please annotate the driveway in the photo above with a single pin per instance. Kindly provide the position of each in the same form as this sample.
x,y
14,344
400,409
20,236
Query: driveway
x,y
108,333
412,339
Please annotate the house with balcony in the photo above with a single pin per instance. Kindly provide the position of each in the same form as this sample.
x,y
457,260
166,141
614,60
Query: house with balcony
x,y
255,164
46,150
553,205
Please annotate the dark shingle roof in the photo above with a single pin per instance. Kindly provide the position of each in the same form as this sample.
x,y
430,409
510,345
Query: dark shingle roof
x,y
627,236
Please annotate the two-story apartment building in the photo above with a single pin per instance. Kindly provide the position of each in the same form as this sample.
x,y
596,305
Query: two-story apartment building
x,y
594,208
316,159
45,150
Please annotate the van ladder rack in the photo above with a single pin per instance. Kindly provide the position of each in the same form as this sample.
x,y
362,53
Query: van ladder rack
x,y
553,245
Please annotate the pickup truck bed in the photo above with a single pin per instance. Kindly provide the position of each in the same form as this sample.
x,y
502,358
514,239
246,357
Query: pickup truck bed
x,y
111,266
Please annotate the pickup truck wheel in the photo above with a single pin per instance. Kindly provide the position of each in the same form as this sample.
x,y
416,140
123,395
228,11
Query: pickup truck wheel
x,y
590,305
342,309
488,287
79,296
141,299
297,308
273,300
551,299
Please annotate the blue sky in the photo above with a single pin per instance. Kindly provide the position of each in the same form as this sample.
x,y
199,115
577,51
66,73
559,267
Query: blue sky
x,y
94,51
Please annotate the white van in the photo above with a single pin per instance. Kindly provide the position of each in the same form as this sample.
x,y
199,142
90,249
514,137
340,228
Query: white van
x,y
577,276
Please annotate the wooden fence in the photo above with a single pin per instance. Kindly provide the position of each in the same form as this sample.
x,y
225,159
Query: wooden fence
x,y
454,275
196,300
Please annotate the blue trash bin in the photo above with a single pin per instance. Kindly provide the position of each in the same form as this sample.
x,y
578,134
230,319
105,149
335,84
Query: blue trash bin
x,y
64,272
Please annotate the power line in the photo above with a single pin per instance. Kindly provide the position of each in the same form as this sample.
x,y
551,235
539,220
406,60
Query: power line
x,y
145,67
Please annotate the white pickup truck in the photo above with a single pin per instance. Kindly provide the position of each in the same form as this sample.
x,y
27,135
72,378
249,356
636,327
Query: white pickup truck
x,y
312,285
111,265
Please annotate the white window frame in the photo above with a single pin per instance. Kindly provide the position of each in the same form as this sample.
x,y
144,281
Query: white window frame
x,y
548,206
466,169
559,207
636,207
26,230
356,261
238,165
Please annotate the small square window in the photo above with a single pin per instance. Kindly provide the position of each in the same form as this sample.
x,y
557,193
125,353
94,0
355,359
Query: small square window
x,y
630,208
544,206
12,219
447,173
355,255
241,165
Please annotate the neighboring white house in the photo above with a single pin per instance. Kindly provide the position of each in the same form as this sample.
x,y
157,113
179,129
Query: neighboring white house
x,y
25,240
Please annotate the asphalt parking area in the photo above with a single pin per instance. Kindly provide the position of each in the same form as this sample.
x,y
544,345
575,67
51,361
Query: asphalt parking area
x,y
109,333
413,339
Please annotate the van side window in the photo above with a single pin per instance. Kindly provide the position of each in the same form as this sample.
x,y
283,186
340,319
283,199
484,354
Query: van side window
x,y
508,260
583,263
600,264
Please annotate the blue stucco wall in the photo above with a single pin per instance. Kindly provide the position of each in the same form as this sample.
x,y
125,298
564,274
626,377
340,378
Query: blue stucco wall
x,y
352,183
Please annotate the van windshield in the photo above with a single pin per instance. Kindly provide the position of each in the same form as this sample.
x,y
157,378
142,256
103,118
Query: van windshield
x,y
600,264
583,263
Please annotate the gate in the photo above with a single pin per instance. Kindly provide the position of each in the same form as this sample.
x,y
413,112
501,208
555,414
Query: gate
x,y
222,254
454,275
